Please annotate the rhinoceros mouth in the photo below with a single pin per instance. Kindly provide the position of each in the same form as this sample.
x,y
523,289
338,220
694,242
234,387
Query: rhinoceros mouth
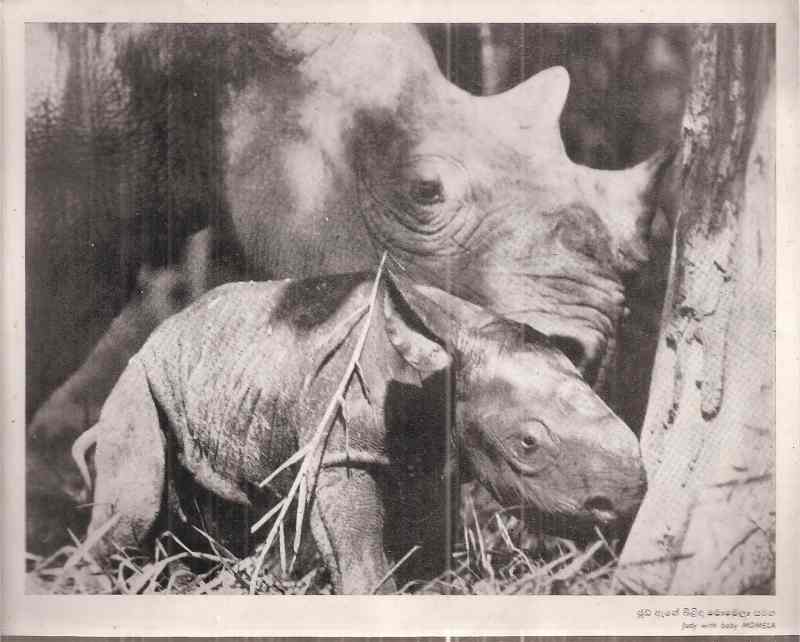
x,y
579,311
584,340
581,527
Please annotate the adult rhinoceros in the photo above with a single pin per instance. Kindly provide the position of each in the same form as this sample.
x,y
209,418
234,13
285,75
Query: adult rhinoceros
x,y
341,141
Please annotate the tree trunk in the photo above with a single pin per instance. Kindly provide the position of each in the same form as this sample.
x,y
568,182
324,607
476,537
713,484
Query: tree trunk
x,y
707,524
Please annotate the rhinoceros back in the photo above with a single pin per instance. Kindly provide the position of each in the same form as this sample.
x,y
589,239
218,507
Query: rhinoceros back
x,y
227,373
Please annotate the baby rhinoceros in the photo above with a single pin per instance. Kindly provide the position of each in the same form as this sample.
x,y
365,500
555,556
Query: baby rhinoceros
x,y
231,387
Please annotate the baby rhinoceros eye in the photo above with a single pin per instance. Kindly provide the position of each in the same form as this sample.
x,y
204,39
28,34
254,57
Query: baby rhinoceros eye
x,y
533,447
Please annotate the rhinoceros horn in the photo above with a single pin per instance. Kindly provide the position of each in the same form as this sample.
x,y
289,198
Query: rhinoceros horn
x,y
627,200
622,198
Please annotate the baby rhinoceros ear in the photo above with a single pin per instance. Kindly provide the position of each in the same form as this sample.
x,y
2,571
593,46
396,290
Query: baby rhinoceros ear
x,y
405,334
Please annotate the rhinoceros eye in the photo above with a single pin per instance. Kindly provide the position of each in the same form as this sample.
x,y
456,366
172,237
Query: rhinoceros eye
x,y
528,443
430,180
533,447
426,192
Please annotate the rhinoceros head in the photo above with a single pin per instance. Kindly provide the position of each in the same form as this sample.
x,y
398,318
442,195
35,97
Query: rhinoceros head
x,y
532,430
475,195
478,196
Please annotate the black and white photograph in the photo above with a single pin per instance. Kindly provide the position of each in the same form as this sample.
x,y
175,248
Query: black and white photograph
x,y
427,308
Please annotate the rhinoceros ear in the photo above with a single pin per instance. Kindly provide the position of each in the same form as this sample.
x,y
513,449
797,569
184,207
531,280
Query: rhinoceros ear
x,y
626,200
406,334
547,93
538,102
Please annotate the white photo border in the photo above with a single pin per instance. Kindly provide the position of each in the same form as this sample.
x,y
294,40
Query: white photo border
x,y
391,615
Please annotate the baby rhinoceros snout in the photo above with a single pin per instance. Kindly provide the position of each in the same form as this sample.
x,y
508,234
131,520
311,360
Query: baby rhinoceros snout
x,y
602,470
589,480
541,437
603,473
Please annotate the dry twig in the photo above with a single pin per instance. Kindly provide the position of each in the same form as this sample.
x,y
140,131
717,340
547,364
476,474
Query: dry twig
x,y
320,435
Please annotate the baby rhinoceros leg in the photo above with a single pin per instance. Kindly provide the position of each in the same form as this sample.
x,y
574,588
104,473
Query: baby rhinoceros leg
x,y
347,521
129,463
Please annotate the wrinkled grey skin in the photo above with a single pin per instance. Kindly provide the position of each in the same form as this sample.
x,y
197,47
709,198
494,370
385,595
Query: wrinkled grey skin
x,y
344,140
375,149
232,386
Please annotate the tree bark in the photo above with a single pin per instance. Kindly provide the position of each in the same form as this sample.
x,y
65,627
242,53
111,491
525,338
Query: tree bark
x,y
707,524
